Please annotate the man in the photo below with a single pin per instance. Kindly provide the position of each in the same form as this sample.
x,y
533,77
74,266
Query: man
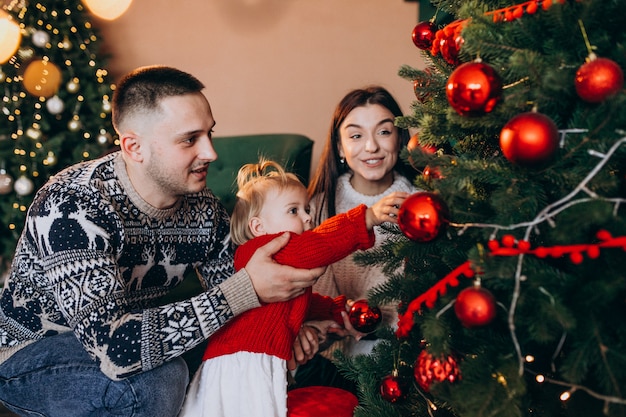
x,y
81,329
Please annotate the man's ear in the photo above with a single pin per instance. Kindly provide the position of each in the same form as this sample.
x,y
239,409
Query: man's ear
x,y
256,226
131,146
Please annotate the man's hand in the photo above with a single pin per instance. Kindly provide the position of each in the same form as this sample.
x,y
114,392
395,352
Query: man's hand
x,y
274,282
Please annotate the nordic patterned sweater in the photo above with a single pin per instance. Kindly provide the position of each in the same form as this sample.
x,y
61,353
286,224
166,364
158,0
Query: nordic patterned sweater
x,y
94,258
272,328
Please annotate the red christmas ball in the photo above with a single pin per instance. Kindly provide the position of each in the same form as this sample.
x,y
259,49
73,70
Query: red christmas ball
x,y
423,35
529,139
598,79
450,48
422,216
394,388
363,317
419,87
473,89
429,369
475,307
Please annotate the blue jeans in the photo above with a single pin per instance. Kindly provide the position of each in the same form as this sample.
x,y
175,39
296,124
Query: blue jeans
x,y
56,377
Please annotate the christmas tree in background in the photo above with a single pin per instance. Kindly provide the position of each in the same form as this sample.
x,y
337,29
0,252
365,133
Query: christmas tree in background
x,y
55,105
513,298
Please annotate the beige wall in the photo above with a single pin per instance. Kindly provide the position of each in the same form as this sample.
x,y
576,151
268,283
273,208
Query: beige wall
x,y
271,65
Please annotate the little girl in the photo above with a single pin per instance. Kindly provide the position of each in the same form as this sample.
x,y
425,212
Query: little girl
x,y
244,369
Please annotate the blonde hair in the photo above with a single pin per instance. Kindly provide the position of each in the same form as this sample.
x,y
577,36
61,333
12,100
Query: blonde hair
x,y
253,182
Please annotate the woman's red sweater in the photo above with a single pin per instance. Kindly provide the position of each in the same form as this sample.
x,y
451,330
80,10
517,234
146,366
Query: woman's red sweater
x,y
273,327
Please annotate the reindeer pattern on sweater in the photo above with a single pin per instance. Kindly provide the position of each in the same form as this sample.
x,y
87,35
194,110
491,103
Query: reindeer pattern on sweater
x,y
94,258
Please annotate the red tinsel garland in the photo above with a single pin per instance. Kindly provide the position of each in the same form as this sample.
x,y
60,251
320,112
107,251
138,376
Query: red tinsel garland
x,y
509,247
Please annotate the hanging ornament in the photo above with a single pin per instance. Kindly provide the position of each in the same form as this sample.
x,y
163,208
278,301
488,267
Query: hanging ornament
x,y
51,159
75,124
3,76
394,388
429,369
104,138
55,105
473,89
106,105
65,44
598,79
420,86
450,47
414,143
6,182
73,85
423,35
429,173
475,306
108,9
422,216
34,133
529,138
23,186
364,318
42,78
448,42
40,38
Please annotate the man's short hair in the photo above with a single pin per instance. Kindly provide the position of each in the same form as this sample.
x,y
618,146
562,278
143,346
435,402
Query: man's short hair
x,y
143,89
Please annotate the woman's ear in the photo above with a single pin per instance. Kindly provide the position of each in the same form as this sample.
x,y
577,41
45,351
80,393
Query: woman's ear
x,y
256,226
131,146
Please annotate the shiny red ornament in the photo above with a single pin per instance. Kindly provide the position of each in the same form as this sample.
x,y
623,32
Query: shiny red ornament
x,y
420,86
363,317
475,307
422,216
423,35
450,47
473,89
529,138
394,388
429,369
598,79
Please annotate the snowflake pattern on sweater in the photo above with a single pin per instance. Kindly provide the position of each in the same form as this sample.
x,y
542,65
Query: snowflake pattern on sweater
x,y
94,258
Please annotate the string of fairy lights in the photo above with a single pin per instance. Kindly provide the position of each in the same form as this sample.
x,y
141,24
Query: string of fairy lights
x,y
579,195
49,77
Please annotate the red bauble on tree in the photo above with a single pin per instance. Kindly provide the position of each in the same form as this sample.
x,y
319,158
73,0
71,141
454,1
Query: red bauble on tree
x,y
473,89
429,369
422,216
363,317
394,388
598,79
423,35
475,307
529,139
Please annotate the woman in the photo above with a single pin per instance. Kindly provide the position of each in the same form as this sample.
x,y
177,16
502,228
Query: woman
x,y
359,164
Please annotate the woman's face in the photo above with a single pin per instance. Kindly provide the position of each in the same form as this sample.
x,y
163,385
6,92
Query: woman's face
x,y
370,142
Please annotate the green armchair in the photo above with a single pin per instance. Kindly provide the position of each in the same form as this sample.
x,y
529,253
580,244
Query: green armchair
x,y
292,151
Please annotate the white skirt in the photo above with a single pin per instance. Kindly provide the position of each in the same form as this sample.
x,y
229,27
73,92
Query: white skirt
x,y
237,385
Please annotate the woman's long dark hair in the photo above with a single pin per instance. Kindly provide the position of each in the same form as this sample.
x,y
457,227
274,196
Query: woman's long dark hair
x,y
323,185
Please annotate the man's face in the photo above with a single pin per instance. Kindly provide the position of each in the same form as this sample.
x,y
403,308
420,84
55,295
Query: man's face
x,y
176,146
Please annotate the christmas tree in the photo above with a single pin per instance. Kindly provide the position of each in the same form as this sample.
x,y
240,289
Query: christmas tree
x,y
513,296
55,105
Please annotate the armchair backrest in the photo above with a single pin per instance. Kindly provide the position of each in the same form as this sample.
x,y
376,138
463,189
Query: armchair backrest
x,y
292,151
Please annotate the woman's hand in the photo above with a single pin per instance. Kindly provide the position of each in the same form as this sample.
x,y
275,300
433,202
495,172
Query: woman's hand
x,y
386,209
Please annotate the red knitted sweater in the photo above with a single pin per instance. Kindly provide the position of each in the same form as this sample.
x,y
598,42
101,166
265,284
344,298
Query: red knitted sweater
x,y
272,328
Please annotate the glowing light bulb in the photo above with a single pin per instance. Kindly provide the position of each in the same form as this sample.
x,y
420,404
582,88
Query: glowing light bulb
x,y
10,37
108,9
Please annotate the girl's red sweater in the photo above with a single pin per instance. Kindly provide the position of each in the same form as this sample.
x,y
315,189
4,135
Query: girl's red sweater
x,y
273,327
